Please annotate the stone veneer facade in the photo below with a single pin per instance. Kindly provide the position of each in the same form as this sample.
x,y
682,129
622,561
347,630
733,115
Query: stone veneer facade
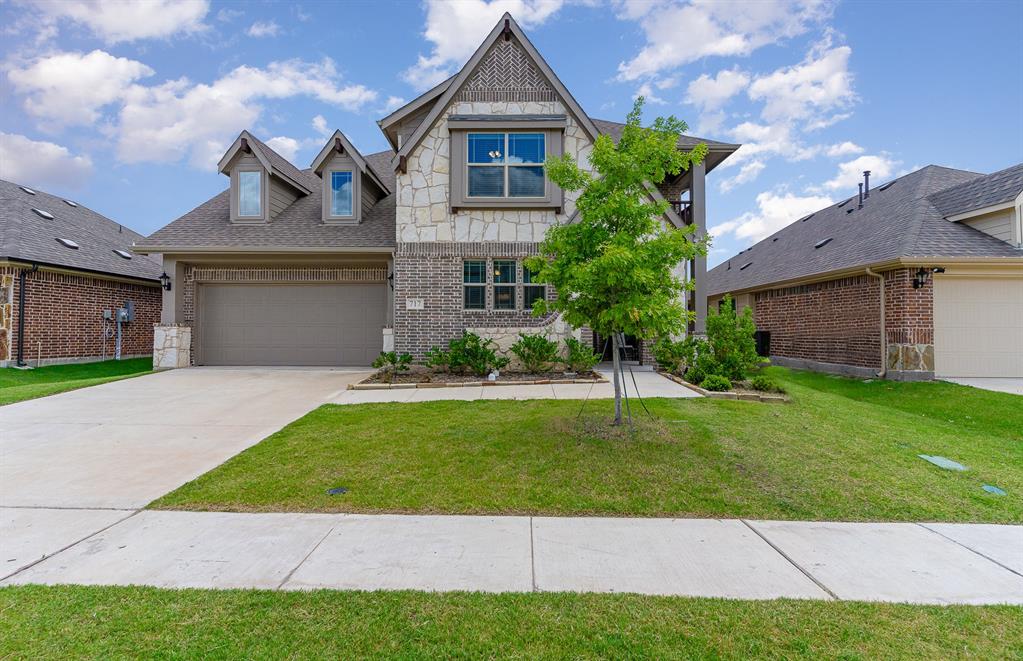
x,y
64,320
835,323
433,243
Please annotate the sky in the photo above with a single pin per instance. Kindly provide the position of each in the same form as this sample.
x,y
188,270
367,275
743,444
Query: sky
x,y
127,106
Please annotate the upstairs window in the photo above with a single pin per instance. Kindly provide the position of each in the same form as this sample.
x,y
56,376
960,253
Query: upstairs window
x,y
341,193
250,194
506,165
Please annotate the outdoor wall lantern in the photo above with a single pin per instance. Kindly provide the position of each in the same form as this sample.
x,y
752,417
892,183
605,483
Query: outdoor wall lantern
x,y
390,280
165,281
922,275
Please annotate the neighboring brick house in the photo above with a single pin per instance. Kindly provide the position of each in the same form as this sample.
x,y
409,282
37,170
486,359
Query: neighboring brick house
x,y
75,265
946,244
405,248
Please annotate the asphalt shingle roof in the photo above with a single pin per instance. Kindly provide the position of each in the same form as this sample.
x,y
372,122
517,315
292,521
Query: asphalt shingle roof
x,y
298,226
898,222
279,163
985,191
26,236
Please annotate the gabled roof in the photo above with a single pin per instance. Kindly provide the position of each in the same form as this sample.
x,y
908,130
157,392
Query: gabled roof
x,y
28,237
897,221
338,140
412,106
298,228
507,25
982,192
275,164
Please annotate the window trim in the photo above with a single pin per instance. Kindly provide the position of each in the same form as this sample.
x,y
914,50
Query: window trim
x,y
480,285
459,199
541,286
236,191
513,285
489,286
506,166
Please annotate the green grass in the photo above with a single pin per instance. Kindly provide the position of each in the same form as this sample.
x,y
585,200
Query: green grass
x,y
18,385
843,450
76,622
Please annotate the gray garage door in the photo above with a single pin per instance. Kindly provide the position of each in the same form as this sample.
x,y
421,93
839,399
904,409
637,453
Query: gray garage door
x,y
291,324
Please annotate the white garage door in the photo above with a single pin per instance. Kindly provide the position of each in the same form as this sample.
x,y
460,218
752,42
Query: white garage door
x,y
291,324
978,327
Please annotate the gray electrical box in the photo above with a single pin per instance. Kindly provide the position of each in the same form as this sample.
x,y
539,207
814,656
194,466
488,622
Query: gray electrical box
x,y
127,313
108,314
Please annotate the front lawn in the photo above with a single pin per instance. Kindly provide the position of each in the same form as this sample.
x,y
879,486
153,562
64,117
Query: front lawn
x,y
18,385
113,622
843,450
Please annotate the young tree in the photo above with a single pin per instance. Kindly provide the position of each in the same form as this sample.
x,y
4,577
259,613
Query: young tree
x,y
613,267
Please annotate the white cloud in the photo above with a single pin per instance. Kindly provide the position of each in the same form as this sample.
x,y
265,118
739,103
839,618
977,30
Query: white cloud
x,y
774,211
285,146
747,173
456,29
711,93
680,33
178,118
264,29
646,90
850,173
320,125
41,164
819,84
846,148
393,103
227,15
767,140
72,88
117,21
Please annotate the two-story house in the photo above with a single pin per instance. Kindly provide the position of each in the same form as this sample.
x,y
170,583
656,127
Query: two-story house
x,y
402,249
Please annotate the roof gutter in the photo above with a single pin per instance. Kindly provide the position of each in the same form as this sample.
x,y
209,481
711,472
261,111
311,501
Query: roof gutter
x,y
884,343
270,250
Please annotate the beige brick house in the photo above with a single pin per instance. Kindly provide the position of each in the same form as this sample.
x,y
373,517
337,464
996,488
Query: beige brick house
x,y
402,249
919,278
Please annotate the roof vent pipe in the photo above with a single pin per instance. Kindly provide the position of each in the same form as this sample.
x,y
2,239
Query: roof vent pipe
x,y
860,204
866,184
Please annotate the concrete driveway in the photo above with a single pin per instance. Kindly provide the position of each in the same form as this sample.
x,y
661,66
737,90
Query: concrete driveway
x,y
121,445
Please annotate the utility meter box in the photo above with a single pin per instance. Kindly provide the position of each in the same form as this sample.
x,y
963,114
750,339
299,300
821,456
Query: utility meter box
x,y
127,313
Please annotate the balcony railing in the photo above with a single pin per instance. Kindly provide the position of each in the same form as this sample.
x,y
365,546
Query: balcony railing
x,y
684,208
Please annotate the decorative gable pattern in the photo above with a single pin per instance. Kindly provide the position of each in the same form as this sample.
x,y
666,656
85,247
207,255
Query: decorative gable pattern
x,y
507,73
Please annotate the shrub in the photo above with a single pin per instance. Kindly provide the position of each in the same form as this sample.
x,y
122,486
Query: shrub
x,y
695,375
580,357
764,383
670,355
437,359
392,363
731,341
716,383
535,352
475,354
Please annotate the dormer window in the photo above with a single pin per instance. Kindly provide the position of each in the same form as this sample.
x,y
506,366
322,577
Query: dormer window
x,y
250,194
342,194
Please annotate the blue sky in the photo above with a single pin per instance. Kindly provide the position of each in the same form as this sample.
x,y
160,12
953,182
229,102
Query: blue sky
x,y
126,108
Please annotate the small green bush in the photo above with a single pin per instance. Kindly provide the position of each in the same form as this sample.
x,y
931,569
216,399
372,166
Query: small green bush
x,y
764,383
695,375
581,357
535,352
670,355
474,354
731,340
437,359
392,363
716,383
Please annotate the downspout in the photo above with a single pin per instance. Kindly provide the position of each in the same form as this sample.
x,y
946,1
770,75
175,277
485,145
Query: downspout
x,y
21,313
884,344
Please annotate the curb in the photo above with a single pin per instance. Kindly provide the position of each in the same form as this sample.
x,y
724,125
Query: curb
x,y
470,384
740,396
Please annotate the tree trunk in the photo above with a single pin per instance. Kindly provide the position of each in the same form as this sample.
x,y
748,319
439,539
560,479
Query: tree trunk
x,y
615,358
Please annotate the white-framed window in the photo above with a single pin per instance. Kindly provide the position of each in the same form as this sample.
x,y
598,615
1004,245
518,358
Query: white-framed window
x,y
505,165
504,283
342,193
250,194
474,284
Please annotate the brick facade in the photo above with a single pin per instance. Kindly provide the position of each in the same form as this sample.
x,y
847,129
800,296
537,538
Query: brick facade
x,y
432,272
64,317
836,321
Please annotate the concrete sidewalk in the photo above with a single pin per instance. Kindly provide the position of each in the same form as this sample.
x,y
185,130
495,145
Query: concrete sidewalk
x,y
647,384
902,562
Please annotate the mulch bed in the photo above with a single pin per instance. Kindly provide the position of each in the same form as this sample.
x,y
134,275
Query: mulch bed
x,y
426,379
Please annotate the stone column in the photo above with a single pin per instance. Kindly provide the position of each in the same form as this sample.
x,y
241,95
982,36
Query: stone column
x,y
172,346
698,196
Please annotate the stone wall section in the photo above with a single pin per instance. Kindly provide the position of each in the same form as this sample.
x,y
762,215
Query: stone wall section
x,y
64,317
7,276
